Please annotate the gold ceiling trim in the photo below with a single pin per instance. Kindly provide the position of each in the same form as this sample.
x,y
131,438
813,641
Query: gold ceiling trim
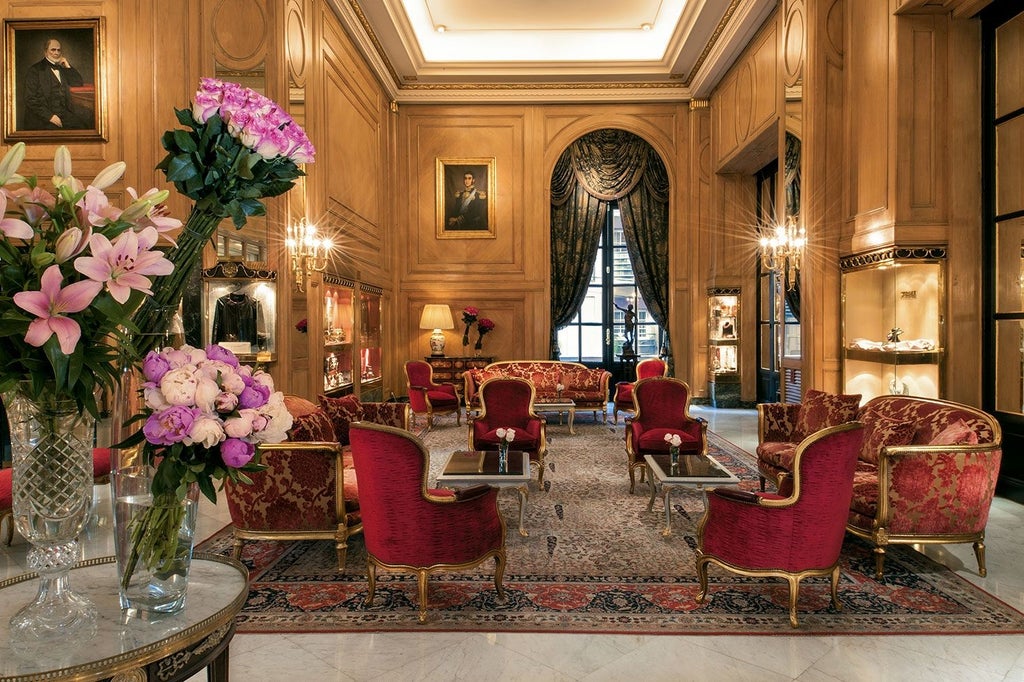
x,y
402,84
712,40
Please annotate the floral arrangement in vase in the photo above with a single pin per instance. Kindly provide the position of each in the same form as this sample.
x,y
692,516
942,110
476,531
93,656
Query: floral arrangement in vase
x,y
204,415
674,441
505,438
469,314
73,269
483,326
239,147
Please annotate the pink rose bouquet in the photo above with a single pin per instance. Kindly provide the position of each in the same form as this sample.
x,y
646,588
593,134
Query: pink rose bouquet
x,y
469,314
483,326
204,415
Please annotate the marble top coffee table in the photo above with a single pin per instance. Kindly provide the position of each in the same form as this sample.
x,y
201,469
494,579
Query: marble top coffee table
x,y
693,471
466,468
559,407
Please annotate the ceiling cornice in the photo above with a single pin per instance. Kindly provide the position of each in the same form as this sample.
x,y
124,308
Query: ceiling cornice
x,y
740,21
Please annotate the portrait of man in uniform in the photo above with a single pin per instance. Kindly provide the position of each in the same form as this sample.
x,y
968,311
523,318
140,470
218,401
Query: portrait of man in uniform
x,y
51,74
465,201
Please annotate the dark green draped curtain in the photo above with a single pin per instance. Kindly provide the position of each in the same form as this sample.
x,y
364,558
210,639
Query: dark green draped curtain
x,y
600,167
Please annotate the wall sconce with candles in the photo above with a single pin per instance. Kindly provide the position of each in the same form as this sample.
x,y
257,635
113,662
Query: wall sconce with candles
x,y
782,252
437,316
307,250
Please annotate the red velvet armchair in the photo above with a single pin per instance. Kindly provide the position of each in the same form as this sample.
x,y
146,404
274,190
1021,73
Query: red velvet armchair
x,y
623,399
793,536
305,493
408,527
662,407
426,397
508,402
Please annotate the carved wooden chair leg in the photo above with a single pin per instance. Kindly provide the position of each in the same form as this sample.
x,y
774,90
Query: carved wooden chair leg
x,y
371,582
421,579
236,547
835,589
879,562
794,595
499,575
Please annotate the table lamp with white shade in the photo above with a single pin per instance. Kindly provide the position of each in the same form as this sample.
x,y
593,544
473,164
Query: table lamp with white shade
x,y
437,317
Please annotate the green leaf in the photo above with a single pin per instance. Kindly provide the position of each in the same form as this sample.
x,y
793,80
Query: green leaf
x,y
185,141
181,168
206,487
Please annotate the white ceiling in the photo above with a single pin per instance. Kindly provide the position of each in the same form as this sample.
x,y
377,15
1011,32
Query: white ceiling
x,y
540,50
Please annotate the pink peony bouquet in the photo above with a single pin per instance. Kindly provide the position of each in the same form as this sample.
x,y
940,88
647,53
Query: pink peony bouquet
x,y
204,415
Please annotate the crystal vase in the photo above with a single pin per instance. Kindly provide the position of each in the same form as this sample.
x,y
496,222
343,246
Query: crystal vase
x,y
51,447
153,540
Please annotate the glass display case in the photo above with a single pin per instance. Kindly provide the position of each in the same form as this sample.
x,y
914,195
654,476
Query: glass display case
x,y
723,347
370,383
893,322
338,341
240,310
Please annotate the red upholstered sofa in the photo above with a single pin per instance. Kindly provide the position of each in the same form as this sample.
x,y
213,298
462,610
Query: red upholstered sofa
x,y
587,387
926,472
296,496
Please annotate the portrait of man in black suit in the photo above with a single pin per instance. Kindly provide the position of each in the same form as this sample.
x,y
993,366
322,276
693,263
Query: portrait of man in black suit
x,y
48,83
52,74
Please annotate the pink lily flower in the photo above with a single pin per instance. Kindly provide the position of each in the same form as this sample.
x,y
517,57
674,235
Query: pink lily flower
x,y
96,209
50,304
13,228
71,242
124,264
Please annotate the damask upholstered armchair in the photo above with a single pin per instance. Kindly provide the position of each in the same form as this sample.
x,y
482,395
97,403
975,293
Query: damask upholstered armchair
x,y
305,492
662,407
411,528
623,400
427,397
505,403
795,536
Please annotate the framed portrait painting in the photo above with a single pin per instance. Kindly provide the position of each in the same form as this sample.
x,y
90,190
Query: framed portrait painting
x,y
465,198
54,85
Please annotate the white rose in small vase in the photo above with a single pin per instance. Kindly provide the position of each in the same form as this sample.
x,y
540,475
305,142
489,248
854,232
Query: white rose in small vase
x,y
674,441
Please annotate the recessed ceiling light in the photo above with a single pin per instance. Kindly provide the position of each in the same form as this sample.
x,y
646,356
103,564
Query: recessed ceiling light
x,y
440,28
645,27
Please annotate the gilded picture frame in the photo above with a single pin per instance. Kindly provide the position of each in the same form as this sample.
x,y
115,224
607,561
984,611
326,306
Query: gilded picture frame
x,y
44,101
465,198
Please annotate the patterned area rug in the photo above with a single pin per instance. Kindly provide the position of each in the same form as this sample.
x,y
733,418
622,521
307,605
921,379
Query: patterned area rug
x,y
595,561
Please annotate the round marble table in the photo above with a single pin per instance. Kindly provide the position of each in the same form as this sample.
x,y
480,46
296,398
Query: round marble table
x,y
167,648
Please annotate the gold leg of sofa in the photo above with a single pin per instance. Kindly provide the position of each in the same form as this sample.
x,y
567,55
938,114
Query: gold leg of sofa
x,y
371,582
835,589
341,548
794,595
879,562
421,579
236,547
979,552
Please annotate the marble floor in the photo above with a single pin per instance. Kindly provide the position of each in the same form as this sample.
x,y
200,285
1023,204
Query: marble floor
x,y
500,656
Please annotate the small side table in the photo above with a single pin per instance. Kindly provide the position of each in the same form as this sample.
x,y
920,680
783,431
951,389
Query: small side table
x,y
466,468
692,471
168,648
559,406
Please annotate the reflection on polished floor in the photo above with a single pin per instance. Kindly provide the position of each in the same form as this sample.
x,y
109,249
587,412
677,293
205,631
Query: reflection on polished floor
x,y
413,656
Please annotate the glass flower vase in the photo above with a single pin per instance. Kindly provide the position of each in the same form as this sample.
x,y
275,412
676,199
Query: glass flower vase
x,y
51,448
153,541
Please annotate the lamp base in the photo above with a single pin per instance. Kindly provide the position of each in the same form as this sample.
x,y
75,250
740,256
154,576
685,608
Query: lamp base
x,y
437,343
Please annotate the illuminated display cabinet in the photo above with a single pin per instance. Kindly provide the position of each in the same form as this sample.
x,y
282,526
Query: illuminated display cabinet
x,y
350,336
723,347
240,310
893,322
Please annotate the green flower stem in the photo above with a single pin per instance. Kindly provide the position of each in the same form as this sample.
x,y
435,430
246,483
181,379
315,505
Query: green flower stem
x,y
154,536
151,317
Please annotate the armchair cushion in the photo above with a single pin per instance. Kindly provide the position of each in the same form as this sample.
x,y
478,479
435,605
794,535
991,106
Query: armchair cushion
x,y
957,433
777,454
880,432
313,427
821,410
342,412
653,440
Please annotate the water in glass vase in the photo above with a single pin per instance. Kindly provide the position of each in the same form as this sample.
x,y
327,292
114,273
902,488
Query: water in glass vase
x,y
152,578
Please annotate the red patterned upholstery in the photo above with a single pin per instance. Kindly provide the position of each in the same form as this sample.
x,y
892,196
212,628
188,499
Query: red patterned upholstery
x,y
341,412
793,537
623,400
905,490
820,410
505,403
100,466
586,386
410,528
7,504
661,406
427,397
296,496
